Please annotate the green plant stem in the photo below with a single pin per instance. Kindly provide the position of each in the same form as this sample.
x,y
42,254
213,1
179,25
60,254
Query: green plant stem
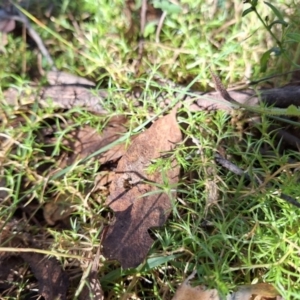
x,y
267,28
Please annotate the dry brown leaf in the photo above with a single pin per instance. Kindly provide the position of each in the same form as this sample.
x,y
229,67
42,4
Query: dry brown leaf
x,y
127,240
53,281
60,208
187,292
86,140
103,179
81,143
10,270
261,291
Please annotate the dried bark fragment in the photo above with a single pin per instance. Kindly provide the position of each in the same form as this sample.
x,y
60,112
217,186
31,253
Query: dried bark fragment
x,y
64,78
127,240
63,96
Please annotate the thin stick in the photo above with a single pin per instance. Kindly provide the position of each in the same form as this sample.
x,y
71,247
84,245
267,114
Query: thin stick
x,y
20,17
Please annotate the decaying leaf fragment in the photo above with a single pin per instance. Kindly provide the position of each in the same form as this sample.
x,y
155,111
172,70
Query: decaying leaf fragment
x,y
85,140
260,291
52,280
127,240
59,209
187,292
92,289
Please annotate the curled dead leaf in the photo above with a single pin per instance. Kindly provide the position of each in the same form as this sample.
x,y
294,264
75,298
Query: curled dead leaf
x,y
261,291
187,292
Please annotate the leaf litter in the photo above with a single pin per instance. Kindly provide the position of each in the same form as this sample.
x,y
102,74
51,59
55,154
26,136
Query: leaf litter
x,y
52,280
134,210
83,141
78,144
259,291
136,195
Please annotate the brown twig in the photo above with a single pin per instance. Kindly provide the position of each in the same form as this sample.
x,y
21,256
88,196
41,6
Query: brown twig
x,y
18,16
